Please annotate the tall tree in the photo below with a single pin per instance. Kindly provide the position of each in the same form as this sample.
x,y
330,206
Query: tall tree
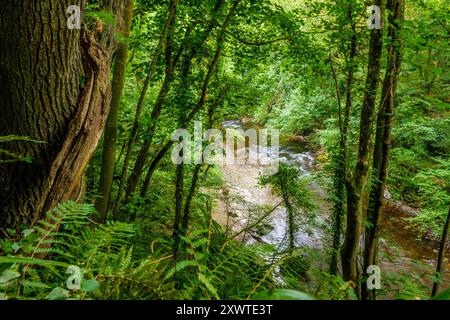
x,y
190,55
383,135
169,78
357,180
343,123
171,15
110,135
179,190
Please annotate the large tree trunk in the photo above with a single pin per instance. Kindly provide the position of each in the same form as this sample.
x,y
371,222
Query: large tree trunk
x,y
383,137
110,136
357,182
53,88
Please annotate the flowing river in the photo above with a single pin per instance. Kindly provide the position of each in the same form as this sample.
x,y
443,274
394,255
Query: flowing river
x,y
404,254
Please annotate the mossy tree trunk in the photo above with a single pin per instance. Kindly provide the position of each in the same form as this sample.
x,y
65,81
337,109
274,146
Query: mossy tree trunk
x,y
110,136
357,181
341,161
383,136
53,88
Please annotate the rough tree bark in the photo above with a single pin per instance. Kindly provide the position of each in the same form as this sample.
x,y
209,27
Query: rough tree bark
x,y
54,87
357,181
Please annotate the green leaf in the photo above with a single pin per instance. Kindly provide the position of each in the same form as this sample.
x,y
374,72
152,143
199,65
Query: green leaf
x,y
16,247
8,275
180,266
444,295
284,294
58,294
32,261
89,285
27,232
203,279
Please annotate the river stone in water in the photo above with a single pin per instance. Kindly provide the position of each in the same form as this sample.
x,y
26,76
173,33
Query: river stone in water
x,y
263,229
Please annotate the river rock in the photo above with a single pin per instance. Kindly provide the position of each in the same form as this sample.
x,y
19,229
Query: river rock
x,y
263,229
233,214
246,120
297,138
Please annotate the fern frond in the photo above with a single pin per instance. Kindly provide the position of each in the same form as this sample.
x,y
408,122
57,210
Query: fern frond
x,y
180,266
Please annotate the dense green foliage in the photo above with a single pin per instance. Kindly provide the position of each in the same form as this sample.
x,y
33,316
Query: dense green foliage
x,y
274,65
116,264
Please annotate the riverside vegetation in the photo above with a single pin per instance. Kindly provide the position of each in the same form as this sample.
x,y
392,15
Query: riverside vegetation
x,y
93,207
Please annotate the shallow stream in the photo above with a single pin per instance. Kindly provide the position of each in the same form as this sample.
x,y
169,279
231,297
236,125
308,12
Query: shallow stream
x,y
403,249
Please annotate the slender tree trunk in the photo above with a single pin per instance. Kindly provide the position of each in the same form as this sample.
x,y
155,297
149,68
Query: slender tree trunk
x,y
194,182
134,130
110,136
54,87
291,221
171,63
143,153
202,100
179,185
339,181
357,182
189,198
160,155
429,78
179,191
341,162
441,253
383,137
180,168
153,165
